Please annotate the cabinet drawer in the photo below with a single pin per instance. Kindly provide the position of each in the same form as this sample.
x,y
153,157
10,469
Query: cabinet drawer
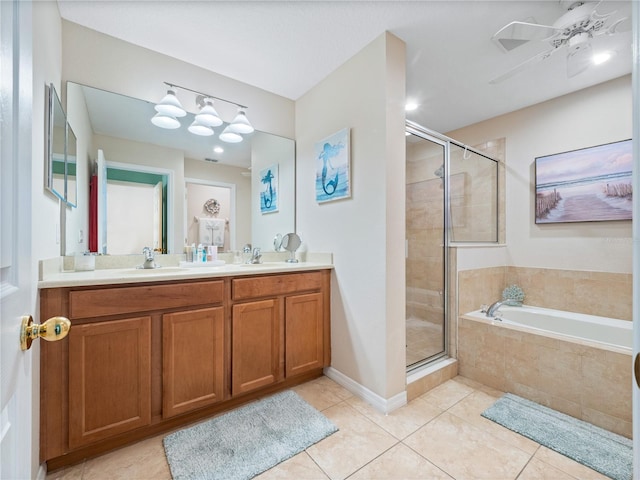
x,y
243,288
113,301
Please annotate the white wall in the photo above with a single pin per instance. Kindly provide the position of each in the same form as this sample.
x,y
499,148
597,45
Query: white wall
x,y
366,232
47,65
593,116
98,60
232,175
77,219
197,195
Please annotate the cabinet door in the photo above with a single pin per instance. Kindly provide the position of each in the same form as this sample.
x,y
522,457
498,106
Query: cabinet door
x,y
304,342
109,379
255,345
192,360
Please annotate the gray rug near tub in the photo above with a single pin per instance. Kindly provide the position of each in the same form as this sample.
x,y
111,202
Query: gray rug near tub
x,y
599,449
247,441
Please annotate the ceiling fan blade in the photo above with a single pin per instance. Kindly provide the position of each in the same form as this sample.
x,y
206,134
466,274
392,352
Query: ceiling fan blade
x,y
579,59
515,34
523,66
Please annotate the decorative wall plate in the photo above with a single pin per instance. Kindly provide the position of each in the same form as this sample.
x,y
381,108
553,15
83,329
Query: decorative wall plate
x,y
212,206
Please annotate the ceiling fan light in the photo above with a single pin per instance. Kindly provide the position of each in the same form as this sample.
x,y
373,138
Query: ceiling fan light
x,y
170,105
165,121
208,115
230,136
241,124
199,129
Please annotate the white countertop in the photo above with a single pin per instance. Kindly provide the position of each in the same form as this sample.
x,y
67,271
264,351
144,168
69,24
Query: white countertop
x,y
112,276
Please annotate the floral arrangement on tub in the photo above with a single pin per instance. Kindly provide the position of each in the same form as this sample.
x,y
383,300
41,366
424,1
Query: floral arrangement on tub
x,y
513,296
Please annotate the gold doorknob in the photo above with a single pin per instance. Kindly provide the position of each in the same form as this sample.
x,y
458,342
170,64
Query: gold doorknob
x,y
56,328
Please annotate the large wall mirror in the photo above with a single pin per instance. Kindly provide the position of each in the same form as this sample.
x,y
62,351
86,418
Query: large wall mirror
x,y
56,133
120,128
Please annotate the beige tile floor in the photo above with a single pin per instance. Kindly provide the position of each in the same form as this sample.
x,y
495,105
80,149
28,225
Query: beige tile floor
x,y
439,435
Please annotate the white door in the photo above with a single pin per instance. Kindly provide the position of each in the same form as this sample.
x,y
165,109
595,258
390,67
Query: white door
x,y
18,448
636,238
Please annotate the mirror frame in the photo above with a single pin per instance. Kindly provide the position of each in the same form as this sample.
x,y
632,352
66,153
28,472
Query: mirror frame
x,y
53,104
54,109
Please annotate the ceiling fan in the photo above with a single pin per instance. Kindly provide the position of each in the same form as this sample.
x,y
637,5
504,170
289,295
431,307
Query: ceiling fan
x,y
573,31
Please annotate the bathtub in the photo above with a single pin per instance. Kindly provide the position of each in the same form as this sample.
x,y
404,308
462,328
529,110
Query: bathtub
x,y
575,327
574,363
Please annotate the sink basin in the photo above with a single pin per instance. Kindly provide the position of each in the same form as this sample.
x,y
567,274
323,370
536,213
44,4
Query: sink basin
x,y
155,271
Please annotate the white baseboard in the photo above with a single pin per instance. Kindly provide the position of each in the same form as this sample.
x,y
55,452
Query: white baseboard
x,y
383,405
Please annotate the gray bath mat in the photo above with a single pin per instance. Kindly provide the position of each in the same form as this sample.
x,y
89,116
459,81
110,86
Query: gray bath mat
x,y
599,449
247,441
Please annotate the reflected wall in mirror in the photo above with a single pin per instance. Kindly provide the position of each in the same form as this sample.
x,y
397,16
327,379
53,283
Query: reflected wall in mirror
x,y
71,186
56,125
121,127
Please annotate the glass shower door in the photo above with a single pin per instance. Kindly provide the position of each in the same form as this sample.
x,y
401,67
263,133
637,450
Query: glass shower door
x,y
425,250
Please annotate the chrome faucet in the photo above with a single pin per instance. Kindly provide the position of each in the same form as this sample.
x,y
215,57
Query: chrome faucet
x,y
149,258
493,308
256,257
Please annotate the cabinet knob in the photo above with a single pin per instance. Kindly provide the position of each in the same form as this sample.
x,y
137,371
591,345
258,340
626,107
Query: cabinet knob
x,y
56,328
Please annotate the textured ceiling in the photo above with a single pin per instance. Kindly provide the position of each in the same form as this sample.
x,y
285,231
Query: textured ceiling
x,y
288,47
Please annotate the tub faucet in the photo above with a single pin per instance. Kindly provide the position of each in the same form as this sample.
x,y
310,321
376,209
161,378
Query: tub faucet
x,y
491,311
149,258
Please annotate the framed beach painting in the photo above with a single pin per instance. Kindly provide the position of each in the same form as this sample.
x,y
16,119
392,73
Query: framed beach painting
x,y
269,189
586,185
332,156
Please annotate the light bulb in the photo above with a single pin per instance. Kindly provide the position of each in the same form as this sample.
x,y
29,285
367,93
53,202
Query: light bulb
x,y
230,136
208,115
241,124
165,121
170,105
198,129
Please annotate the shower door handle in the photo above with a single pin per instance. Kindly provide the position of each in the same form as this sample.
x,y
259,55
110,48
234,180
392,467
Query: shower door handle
x,y
636,369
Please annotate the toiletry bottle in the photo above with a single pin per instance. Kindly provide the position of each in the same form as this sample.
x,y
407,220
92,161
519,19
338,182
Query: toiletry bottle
x,y
198,258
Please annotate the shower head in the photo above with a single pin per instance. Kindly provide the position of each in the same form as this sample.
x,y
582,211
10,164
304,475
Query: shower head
x,y
439,172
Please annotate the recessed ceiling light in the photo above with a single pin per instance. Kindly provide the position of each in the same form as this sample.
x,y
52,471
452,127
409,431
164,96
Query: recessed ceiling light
x,y
601,57
218,149
411,106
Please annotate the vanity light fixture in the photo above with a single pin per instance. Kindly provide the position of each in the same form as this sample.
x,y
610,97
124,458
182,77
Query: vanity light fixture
x,y
205,120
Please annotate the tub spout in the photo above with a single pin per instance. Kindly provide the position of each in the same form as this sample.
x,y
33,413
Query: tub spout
x,y
491,311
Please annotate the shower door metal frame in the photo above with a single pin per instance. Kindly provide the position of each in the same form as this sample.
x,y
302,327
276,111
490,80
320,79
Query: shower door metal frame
x,y
419,131
440,139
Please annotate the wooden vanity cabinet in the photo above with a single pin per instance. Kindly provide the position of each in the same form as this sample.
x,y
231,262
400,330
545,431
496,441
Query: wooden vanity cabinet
x,y
109,379
279,328
141,359
192,360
